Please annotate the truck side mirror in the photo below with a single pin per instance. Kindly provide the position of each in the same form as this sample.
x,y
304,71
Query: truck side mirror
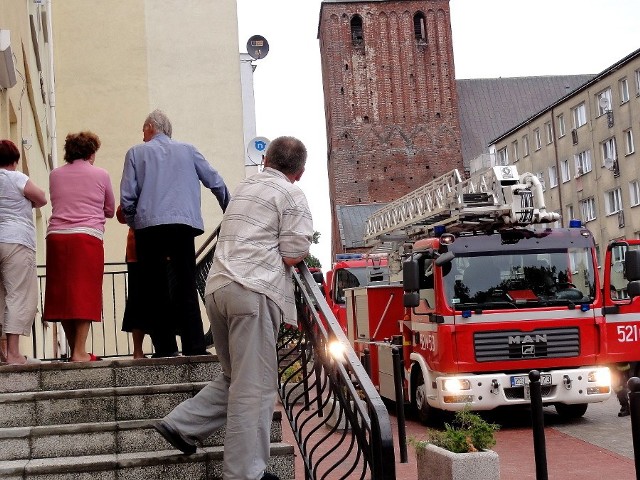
x,y
633,289
410,273
632,265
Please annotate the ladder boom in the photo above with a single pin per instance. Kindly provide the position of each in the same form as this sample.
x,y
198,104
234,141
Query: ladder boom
x,y
497,196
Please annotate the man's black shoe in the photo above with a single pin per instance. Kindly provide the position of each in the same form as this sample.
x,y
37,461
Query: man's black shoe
x,y
174,438
624,411
269,476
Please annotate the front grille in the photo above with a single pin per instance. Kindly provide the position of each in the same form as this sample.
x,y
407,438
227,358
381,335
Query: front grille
x,y
518,345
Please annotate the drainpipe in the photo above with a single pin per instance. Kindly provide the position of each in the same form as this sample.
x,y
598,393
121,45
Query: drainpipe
x,y
60,340
52,91
558,171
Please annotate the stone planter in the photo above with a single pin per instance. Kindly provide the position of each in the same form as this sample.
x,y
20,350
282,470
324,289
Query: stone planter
x,y
332,417
435,463
291,391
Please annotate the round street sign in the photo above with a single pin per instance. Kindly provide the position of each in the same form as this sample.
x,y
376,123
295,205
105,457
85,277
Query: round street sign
x,y
256,149
257,47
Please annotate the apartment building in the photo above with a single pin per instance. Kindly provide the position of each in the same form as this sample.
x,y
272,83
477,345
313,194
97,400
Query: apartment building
x,y
27,117
583,149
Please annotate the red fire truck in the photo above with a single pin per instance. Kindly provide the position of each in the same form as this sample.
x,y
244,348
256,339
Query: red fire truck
x,y
352,270
489,292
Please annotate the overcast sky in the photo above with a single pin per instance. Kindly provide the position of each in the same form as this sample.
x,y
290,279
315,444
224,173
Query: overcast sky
x,y
491,38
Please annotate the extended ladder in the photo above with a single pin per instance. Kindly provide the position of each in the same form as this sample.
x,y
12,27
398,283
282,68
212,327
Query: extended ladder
x,y
496,196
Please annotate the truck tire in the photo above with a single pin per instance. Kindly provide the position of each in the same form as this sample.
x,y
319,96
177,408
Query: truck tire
x,y
571,411
419,400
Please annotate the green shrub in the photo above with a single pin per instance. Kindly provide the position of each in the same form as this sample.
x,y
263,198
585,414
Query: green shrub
x,y
292,374
469,432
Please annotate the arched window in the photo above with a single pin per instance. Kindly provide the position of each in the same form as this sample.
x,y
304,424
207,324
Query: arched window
x,y
420,28
357,37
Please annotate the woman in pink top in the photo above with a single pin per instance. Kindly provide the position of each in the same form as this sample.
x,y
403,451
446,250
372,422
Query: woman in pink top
x,y
81,201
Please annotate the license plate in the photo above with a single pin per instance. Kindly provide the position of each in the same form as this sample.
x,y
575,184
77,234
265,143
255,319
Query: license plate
x,y
522,380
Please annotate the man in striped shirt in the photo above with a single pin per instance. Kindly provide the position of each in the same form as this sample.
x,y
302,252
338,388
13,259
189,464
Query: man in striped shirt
x,y
265,231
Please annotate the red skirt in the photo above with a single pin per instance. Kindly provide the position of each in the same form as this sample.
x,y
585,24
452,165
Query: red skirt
x,y
75,266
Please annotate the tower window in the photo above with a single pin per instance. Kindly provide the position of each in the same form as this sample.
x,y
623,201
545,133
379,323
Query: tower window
x,y
357,37
419,28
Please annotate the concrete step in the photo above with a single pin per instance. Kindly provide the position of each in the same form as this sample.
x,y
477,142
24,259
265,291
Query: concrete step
x,y
93,405
106,438
206,463
92,421
110,373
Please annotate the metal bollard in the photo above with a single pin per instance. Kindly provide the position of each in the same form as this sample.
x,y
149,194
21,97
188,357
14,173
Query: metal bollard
x,y
398,383
366,361
634,406
537,420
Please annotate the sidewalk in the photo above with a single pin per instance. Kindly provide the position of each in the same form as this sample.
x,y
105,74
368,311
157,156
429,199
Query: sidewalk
x,y
595,447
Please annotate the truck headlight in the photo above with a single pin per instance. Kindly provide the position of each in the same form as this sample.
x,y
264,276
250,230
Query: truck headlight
x,y
601,377
454,385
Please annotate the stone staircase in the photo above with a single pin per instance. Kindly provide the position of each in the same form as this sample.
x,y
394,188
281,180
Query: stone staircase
x,y
92,421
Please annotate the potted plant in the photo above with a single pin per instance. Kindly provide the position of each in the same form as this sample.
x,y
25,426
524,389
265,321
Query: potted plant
x,y
460,452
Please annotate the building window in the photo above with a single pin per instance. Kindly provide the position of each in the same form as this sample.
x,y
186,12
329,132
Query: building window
x,y
516,152
624,90
588,209
613,201
549,131
553,177
562,131
357,37
609,151
536,138
583,162
570,212
637,73
579,114
628,142
565,170
503,156
604,101
419,28
542,181
634,193
525,145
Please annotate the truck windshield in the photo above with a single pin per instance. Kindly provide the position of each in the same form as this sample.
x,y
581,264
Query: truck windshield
x,y
516,277
358,277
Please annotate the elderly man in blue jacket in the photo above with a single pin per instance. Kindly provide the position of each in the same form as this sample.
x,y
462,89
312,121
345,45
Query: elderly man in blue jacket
x,y
160,198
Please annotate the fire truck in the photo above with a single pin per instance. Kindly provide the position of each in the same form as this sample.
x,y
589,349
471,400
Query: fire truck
x,y
352,270
490,291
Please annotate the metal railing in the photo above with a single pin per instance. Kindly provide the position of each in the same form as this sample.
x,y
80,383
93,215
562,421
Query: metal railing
x,y
339,421
105,338
340,424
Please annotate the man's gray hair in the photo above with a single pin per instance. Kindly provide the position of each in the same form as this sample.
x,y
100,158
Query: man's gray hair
x,y
287,154
160,122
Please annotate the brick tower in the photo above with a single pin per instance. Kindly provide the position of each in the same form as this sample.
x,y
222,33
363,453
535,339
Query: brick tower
x,y
390,99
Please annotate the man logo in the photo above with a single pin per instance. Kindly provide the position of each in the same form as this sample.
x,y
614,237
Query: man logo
x,y
528,350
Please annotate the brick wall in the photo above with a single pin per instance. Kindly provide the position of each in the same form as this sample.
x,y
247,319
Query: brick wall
x,y
390,101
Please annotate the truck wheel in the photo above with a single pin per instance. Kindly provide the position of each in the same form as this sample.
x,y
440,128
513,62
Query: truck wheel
x,y
419,401
571,411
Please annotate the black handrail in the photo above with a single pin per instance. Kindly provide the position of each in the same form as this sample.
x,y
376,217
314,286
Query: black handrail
x,y
341,425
